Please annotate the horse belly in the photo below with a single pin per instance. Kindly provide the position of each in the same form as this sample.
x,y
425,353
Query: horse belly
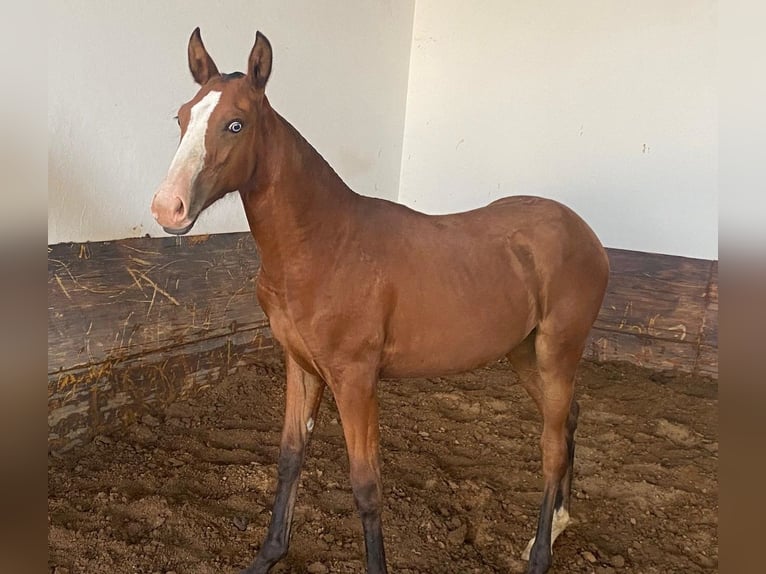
x,y
444,335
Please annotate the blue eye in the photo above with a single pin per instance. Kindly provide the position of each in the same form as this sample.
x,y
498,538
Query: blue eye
x,y
235,127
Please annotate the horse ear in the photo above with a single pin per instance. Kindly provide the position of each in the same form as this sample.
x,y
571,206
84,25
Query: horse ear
x,y
200,63
259,63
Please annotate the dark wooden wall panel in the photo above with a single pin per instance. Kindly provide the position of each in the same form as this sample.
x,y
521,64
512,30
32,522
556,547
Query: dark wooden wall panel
x,y
120,299
135,323
660,311
132,324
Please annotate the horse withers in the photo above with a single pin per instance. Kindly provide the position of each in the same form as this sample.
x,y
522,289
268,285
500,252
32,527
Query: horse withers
x,y
357,288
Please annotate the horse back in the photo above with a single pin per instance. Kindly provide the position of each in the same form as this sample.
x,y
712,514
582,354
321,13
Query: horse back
x,y
463,289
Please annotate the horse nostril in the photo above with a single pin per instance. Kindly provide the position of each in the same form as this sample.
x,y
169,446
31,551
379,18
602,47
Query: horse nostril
x,y
179,208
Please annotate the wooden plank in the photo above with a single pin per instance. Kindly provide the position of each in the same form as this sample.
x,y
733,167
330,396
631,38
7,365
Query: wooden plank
x,y
707,354
134,323
710,319
707,361
643,350
86,401
656,295
114,300
660,312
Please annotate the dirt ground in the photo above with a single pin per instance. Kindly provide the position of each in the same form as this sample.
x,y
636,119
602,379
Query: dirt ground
x,y
189,491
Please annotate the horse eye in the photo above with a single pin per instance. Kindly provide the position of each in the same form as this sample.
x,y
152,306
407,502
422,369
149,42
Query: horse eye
x,y
235,127
177,119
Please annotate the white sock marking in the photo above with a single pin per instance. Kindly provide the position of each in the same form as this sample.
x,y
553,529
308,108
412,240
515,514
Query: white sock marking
x,y
561,520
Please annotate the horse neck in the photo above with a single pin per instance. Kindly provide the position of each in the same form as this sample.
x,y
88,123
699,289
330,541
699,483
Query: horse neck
x,y
296,201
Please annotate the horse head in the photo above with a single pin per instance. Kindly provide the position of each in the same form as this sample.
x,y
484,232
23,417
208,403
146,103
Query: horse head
x,y
219,131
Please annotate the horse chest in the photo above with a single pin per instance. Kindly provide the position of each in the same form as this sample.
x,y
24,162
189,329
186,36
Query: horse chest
x,y
283,327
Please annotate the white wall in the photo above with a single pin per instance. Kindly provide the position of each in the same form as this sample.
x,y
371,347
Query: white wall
x,y
608,106
117,72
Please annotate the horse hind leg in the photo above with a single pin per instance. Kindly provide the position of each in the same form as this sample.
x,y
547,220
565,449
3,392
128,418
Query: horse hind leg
x,y
561,516
546,370
564,494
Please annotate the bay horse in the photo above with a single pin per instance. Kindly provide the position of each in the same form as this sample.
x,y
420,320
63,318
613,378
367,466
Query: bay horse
x,y
357,289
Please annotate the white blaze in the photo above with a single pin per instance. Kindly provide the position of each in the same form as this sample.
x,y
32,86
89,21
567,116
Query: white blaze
x,y
190,155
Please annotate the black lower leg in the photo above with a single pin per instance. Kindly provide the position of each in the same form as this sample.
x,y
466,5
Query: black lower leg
x,y
368,502
277,539
540,556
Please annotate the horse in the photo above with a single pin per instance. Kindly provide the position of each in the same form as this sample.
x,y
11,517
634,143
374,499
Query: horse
x,y
357,289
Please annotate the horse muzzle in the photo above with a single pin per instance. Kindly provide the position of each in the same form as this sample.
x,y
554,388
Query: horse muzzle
x,y
172,212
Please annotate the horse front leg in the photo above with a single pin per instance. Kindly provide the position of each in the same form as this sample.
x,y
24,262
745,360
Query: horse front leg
x,y
355,396
303,396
